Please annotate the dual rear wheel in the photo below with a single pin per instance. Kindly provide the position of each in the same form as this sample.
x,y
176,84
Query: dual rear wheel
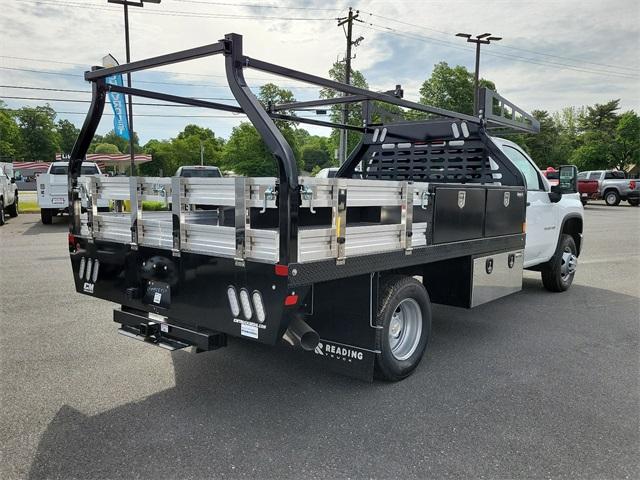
x,y
404,313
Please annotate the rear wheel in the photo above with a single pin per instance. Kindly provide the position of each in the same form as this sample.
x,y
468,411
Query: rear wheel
x,y
558,273
46,215
612,198
634,202
12,210
404,312
584,201
1,212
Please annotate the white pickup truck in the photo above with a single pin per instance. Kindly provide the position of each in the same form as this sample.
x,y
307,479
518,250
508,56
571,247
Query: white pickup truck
x,y
8,193
53,196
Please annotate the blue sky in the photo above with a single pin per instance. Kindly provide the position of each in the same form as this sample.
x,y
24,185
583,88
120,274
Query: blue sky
x,y
553,54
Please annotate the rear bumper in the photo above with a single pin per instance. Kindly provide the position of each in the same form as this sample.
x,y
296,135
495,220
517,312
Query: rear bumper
x,y
139,326
631,194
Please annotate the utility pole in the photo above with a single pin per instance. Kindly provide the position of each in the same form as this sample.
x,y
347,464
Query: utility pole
x,y
485,38
348,20
126,4
201,153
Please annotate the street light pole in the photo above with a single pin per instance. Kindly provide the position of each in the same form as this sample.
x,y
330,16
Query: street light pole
x,y
126,4
485,38
132,155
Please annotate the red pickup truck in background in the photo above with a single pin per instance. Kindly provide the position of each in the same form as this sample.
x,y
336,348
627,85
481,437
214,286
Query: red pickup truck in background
x,y
588,189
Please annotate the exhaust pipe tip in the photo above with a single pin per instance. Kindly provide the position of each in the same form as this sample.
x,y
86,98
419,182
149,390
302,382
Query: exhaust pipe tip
x,y
300,334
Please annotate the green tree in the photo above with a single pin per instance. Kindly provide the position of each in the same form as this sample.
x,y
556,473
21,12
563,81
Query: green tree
x,y
543,148
122,144
316,152
601,117
10,141
40,140
68,134
107,148
164,161
593,154
451,88
354,110
627,140
246,153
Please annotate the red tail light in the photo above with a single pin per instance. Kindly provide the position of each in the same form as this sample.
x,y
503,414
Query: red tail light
x,y
632,184
282,270
290,300
73,245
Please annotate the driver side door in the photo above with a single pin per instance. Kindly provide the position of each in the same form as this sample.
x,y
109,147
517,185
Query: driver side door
x,y
542,214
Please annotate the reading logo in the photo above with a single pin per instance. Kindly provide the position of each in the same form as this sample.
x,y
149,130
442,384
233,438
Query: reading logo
x,y
338,352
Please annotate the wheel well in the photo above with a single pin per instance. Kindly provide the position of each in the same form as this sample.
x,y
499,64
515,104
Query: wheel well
x,y
610,189
573,226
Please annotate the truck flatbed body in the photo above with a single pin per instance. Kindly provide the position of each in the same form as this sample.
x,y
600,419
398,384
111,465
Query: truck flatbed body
x,y
328,265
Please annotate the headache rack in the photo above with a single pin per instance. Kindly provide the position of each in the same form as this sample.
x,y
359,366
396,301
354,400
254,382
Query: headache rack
x,y
391,196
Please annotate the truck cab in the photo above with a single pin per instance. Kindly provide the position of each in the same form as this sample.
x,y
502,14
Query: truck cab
x,y
551,213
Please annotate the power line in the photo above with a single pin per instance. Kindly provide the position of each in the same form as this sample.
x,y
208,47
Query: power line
x,y
22,87
75,100
254,5
143,114
423,38
155,114
573,59
84,65
182,84
173,13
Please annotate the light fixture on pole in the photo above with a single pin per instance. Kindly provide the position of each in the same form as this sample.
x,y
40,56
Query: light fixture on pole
x,y
127,4
485,38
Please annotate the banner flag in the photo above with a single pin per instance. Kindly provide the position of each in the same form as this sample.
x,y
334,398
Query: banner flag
x,y
118,103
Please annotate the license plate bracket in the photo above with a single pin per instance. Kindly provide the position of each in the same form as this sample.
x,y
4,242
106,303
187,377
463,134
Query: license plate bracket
x,y
158,294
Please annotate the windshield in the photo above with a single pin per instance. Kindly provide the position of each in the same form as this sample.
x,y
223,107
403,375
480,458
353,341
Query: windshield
x,y
64,169
201,172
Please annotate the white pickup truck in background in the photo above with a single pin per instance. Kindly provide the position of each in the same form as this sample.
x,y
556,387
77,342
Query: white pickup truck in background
x,y
8,193
52,194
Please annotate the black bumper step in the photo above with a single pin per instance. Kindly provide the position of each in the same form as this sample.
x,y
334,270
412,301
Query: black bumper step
x,y
171,337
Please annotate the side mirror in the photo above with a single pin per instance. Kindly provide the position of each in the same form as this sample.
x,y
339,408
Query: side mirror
x,y
555,195
568,179
13,179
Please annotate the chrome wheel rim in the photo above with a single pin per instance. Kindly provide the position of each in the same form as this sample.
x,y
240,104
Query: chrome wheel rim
x,y
569,264
405,329
611,198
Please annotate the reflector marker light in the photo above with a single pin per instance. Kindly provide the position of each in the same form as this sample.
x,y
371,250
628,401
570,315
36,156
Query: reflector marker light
x,y
233,301
96,267
81,268
87,274
246,304
259,306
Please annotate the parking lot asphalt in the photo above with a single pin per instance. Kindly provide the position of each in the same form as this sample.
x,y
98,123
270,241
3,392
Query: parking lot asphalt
x,y
535,385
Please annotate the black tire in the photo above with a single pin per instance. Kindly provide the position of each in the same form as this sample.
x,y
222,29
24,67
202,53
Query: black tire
x,y
12,210
391,365
557,274
584,202
612,198
46,215
1,212
634,202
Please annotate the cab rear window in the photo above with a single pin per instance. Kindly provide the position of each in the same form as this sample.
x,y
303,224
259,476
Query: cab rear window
x,y
64,170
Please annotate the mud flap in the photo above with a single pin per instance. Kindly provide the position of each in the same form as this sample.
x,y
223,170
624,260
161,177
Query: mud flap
x,y
344,315
345,359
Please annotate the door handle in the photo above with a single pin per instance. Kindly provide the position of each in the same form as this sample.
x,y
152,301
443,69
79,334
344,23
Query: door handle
x,y
528,204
